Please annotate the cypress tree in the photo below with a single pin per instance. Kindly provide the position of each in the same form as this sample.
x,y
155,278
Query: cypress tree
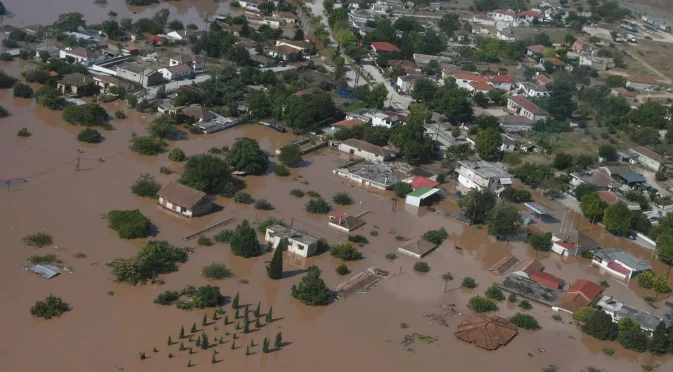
x,y
247,350
247,308
311,289
257,310
237,314
257,325
215,316
182,332
269,316
233,345
189,364
226,320
193,328
213,360
265,345
221,341
238,326
170,342
279,341
182,346
246,323
204,341
234,303
234,336
155,350
252,343
244,242
659,341
275,268
198,342
142,356
170,356
204,322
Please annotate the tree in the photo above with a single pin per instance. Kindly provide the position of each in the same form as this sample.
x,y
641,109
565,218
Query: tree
x,y
436,236
617,219
129,224
592,206
318,206
176,154
3,112
525,321
645,136
646,280
52,306
208,173
346,252
161,17
154,258
67,22
216,271
49,97
3,10
244,241
562,161
234,302
279,340
6,80
23,91
265,345
110,28
476,205
615,81
456,153
516,196
146,186
600,326
650,114
275,268
665,249
541,242
415,144
631,336
164,127
246,156
402,189
424,90
488,143
583,189
482,305
659,341
147,145
481,99
494,293
269,315
290,155
504,220
487,121
311,290
207,296
89,135
89,114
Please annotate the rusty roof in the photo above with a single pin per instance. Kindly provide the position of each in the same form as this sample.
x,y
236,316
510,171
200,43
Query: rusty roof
x,y
529,265
181,195
504,265
580,294
487,332
419,246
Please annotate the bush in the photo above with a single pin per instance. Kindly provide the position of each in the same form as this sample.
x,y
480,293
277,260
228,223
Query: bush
x,y
346,252
374,233
402,189
312,194
297,193
524,304
516,196
165,170
244,241
391,256
38,239
217,271
246,156
146,186
358,239
89,135
290,155
147,145
224,236
421,267
204,240
525,321
435,236
23,91
511,298
3,112
584,314
46,259
318,206
659,176
281,171
557,317
311,290
646,280
207,296
167,298
493,292
263,204
90,114
120,114
342,270
6,80
23,132
4,56
468,282
129,224
210,174
164,127
269,221
482,305
342,198
176,154
52,306
609,351
155,257
242,197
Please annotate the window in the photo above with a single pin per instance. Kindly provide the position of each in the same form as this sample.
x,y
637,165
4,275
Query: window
x,y
300,247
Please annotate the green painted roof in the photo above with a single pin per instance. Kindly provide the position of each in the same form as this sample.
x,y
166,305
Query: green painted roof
x,y
420,192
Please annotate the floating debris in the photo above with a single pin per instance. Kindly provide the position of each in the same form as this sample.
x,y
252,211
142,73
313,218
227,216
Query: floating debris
x,y
437,319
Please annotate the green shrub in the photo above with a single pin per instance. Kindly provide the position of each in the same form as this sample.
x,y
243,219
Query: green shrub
x,y
346,252
525,321
290,155
147,145
129,224
23,91
584,314
435,236
391,256
146,186
609,351
215,150
374,233
646,280
165,170
400,238
482,305
511,298
402,189
269,221
358,239
342,269
154,258
224,236
242,197
524,304
120,114
447,276
421,267
494,293
468,282
3,112
38,239
89,135
176,154
207,296
263,204
217,271
204,240
167,298
557,317
52,306
6,80
313,194
342,198
89,114
46,259
318,206
23,132
297,193
281,171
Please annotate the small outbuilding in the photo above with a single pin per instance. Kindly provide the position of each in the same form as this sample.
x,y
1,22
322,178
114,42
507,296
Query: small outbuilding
x,y
46,271
417,248
344,222
417,197
184,200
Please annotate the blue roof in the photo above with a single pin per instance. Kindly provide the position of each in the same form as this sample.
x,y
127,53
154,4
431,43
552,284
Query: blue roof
x,y
633,177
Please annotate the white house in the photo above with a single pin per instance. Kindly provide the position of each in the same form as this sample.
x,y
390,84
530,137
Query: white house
x,y
617,310
530,16
482,175
532,90
483,19
500,15
184,200
598,63
176,72
298,243
508,143
519,105
183,34
572,243
480,87
82,56
194,61
619,263
388,119
642,83
516,123
504,82
366,150
406,82
250,4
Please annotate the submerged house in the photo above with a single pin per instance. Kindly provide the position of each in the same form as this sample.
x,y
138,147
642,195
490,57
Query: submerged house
x,y
184,200
417,248
572,243
298,242
617,310
619,263
487,332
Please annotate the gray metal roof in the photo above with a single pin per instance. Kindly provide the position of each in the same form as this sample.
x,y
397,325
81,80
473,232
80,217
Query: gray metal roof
x,y
46,271
614,254
296,235
525,287
618,310
633,177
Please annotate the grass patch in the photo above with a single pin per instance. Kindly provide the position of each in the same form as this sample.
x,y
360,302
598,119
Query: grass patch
x,y
38,239
297,193
204,240
217,271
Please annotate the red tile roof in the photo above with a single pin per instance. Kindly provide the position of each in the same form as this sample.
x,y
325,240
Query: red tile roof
x,y
537,49
348,123
618,268
580,294
156,39
586,288
480,85
502,79
469,77
178,68
543,80
482,16
531,13
545,278
555,61
642,80
608,197
130,48
419,181
528,105
505,12
625,92
382,46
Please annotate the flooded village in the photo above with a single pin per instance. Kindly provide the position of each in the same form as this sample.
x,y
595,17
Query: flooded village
x,y
385,312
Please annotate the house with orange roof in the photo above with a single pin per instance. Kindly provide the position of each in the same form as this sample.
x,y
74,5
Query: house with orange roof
x,y
500,15
642,83
580,294
464,79
572,243
504,82
479,87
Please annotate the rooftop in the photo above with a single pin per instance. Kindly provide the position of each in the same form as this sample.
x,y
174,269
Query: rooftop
x,y
618,310
422,192
644,151
515,120
527,288
198,112
367,147
529,265
347,123
532,86
76,79
469,76
181,195
577,239
528,105
178,68
487,332
420,247
625,92
551,281
380,173
291,234
555,61
614,254
348,222
484,168
505,265
537,49
580,294
479,85
419,181
384,46
642,80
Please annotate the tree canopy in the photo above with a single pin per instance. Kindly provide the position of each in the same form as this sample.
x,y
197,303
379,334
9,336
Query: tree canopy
x,y
154,258
208,173
89,114
244,241
504,220
246,156
311,290
617,219
476,205
488,143
411,138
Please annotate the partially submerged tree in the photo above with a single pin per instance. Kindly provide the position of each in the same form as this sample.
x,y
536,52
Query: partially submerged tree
x,y
504,220
146,186
275,268
290,155
208,173
476,205
129,224
244,241
311,290
246,156
52,306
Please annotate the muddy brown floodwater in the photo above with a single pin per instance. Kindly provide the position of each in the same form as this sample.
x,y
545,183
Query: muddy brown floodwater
x,y
104,331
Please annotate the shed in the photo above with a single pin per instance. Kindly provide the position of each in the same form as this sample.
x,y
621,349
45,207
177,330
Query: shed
x,y
184,200
417,248
345,222
46,271
416,197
